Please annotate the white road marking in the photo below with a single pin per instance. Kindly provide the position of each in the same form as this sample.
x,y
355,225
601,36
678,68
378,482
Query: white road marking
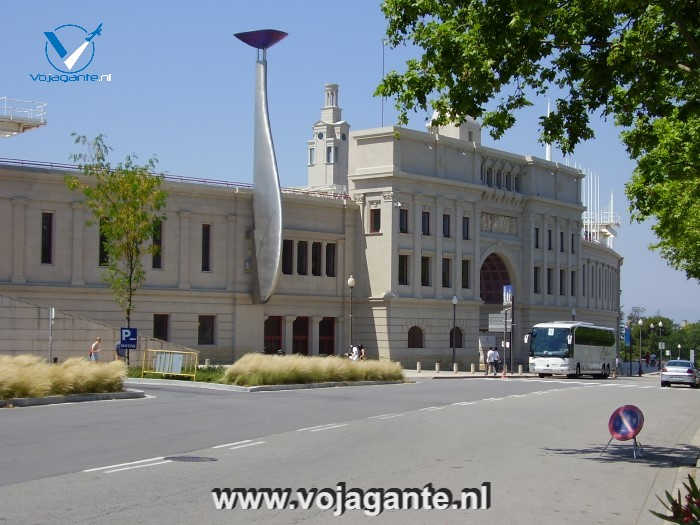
x,y
329,427
463,403
316,427
385,416
430,409
492,399
246,445
138,466
517,395
234,443
123,464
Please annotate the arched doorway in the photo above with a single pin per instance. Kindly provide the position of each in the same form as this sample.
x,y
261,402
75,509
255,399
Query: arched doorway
x,y
493,277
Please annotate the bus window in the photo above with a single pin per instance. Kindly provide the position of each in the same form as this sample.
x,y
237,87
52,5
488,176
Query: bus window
x,y
550,342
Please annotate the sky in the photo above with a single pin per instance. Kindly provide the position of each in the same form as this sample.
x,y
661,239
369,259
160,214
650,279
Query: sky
x,y
182,90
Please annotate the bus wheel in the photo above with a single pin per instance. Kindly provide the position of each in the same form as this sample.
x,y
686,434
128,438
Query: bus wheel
x,y
541,375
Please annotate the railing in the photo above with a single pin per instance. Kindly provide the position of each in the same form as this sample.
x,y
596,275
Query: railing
x,y
24,110
178,178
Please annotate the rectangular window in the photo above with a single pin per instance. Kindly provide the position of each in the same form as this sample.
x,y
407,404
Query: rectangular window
x,y
573,282
537,237
206,330
550,278
206,247
425,222
562,282
312,156
561,242
330,259
157,240
46,238
403,270
160,326
287,257
466,278
375,220
465,228
316,258
446,273
573,243
403,220
445,225
583,281
425,271
103,256
302,257
549,239
329,155
536,280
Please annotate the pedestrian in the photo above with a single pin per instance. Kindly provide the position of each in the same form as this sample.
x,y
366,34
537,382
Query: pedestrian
x,y
363,353
647,358
95,349
355,353
491,357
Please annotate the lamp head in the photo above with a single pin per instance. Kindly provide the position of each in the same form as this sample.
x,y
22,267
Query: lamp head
x,y
454,300
351,281
640,322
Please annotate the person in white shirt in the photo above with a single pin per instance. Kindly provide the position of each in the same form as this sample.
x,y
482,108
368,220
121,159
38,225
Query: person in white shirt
x,y
355,354
95,348
491,358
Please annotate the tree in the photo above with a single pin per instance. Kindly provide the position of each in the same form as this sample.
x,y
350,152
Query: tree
x,y
634,61
127,203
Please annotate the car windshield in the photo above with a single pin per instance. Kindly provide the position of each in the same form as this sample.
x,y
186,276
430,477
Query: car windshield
x,y
550,342
682,364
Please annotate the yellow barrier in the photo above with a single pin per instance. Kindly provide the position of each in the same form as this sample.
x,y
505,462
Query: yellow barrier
x,y
169,362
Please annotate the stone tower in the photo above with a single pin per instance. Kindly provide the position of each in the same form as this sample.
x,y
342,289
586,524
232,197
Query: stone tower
x,y
327,151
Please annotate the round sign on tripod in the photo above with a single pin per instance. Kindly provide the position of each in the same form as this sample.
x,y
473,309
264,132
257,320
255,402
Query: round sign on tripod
x,y
624,424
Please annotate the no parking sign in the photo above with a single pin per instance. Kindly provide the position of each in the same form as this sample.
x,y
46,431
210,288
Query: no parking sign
x,y
624,424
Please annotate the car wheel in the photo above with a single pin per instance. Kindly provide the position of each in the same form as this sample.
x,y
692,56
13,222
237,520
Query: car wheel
x,y
578,370
541,375
664,384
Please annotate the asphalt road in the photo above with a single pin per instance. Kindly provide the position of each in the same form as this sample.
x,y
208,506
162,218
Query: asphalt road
x,y
537,442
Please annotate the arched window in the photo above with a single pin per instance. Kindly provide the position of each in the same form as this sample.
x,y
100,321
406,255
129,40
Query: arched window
x,y
456,336
415,337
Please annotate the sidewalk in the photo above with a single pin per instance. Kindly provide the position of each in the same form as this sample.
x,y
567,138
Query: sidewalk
x,y
448,374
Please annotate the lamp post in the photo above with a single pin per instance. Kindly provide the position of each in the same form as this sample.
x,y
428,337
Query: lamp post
x,y
640,323
454,331
679,350
573,314
351,285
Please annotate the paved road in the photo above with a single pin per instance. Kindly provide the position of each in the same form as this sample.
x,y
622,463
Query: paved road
x,y
537,441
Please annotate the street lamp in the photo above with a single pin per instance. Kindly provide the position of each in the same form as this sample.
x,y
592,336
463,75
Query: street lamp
x,y
454,331
679,350
640,323
351,285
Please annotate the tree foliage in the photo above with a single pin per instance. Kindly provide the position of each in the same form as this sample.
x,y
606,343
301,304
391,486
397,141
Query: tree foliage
x,y
670,333
127,202
635,61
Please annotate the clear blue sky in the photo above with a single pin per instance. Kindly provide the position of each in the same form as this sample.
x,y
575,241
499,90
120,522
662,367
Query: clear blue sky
x,y
182,89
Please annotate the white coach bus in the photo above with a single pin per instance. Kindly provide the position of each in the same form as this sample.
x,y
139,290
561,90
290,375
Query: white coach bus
x,y
572,348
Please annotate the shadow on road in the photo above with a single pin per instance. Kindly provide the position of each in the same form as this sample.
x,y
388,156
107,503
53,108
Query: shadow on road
x,y
617,452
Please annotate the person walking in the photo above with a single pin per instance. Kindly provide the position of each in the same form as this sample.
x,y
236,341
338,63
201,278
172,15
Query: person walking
x,y
95,349
363,353
491,358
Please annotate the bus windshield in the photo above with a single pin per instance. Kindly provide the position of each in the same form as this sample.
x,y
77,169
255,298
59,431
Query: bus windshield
x,y
550,342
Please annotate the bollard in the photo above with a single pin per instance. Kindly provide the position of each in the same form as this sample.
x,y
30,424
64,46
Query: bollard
x,y
207,362
520,370
437,367
455,368
472,368
418,367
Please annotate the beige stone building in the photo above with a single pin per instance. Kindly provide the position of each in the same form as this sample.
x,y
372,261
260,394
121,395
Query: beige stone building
x,y
418,218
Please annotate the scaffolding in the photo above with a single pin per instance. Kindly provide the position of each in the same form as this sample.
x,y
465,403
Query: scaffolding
x,y
18,116
600,225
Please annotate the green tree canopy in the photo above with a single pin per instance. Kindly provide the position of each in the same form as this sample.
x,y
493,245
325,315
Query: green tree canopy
x,y
636,61
127,202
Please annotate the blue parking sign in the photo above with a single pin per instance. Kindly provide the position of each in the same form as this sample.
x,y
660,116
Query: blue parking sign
x,y
128,338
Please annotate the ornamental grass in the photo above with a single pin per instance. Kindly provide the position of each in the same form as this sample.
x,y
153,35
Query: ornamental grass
x,y
261,369
31,376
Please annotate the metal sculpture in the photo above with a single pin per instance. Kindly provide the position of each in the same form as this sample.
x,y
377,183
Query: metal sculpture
x,y
267,195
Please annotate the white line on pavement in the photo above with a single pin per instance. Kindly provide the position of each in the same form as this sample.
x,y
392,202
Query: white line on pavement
x,y
123,464
138,466
329,427
431,409
492,399
314,428
234,443
390,416
246,445
385,416
463,403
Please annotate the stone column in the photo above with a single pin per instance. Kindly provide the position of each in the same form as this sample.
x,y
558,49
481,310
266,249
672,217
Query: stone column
x,y
339,336
19,209
457,288
545,262
437,269
230,251
417,245
288,342
323,258
185,250
77,278
315,320
476,260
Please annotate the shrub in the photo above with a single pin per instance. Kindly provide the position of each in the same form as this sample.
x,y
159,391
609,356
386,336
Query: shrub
x,y
31,376
261,369
680,512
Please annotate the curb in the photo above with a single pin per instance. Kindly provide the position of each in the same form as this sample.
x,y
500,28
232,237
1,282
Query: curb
x,y
515,376
260,388
70,398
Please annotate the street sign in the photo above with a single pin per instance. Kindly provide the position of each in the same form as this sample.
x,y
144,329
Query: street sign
x,y
626,422
507,295
662,345
128,338
668,352
628,336
497,323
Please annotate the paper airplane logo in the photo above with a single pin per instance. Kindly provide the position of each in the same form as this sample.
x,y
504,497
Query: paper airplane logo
x,y
72,34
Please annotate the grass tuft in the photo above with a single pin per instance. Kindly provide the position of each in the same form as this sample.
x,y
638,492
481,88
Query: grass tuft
x,y
261,369
31,376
